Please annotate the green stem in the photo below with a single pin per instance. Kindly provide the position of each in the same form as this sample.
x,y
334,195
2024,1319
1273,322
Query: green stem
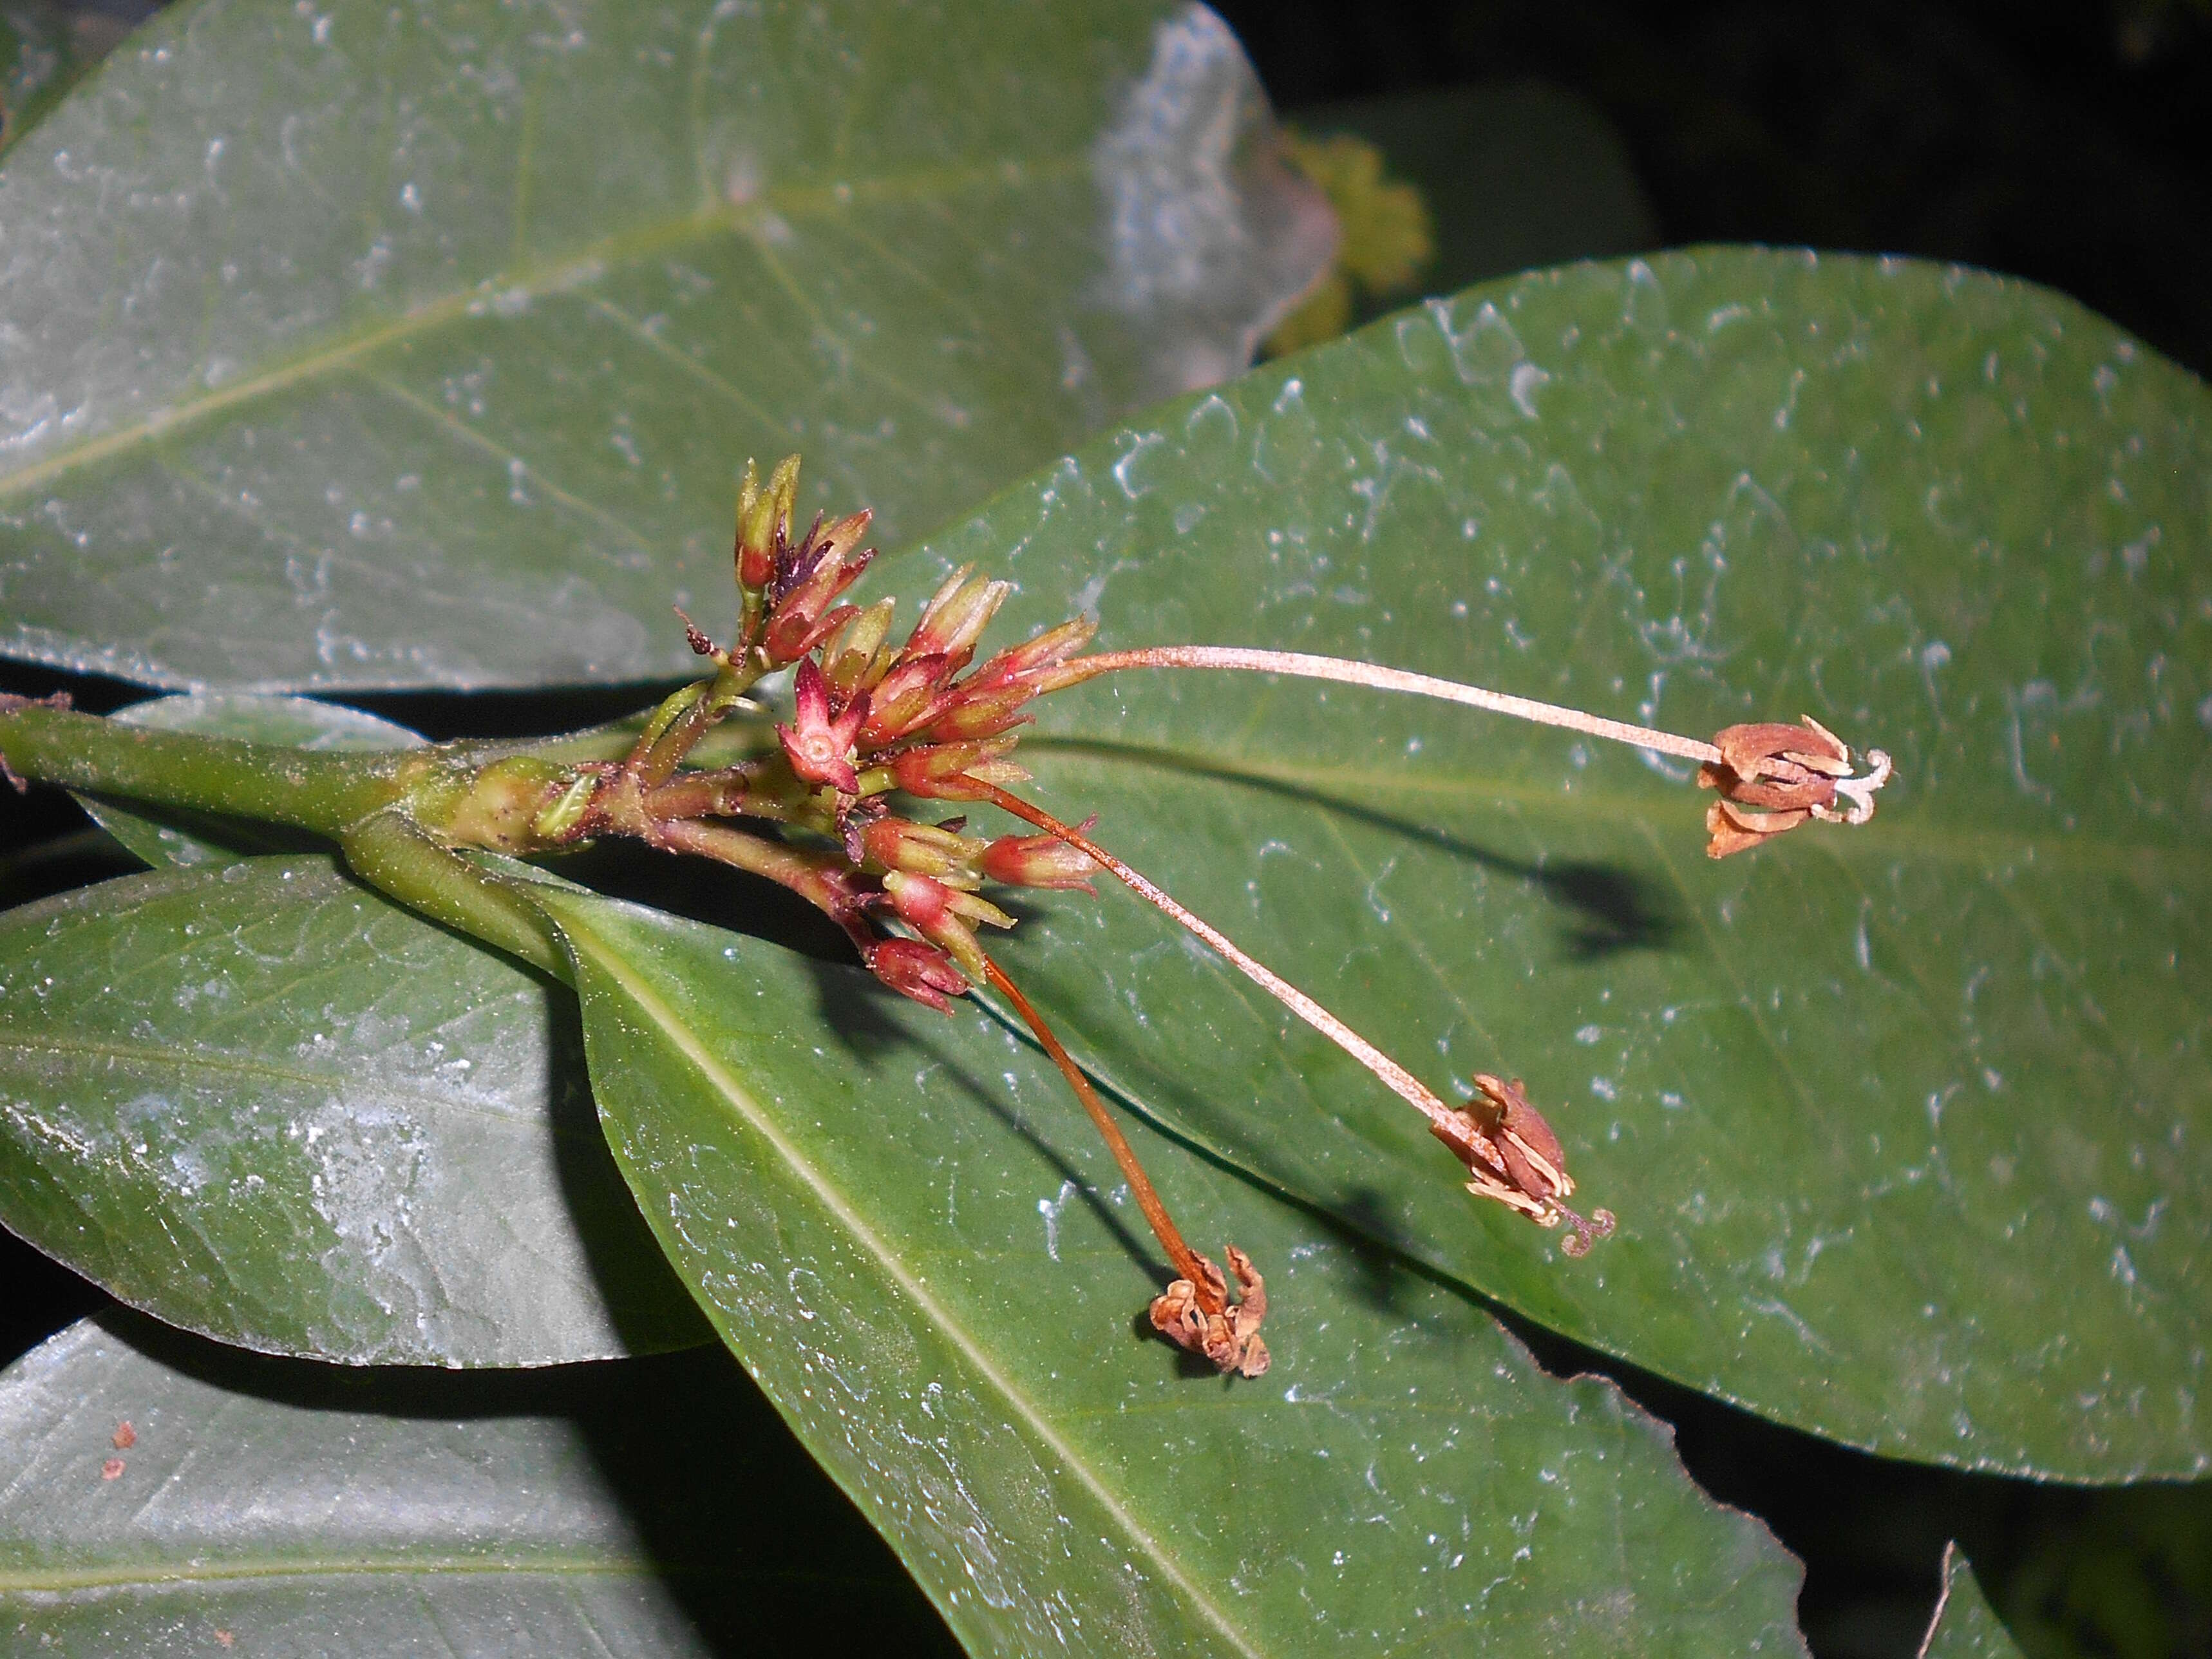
x,y
748,733
326,794
680,723
389,852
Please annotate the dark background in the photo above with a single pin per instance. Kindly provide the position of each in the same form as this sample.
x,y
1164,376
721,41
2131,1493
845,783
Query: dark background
x,y
2069,145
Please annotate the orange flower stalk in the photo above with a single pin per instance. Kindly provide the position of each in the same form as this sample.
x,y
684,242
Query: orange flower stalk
x,y
1508,1148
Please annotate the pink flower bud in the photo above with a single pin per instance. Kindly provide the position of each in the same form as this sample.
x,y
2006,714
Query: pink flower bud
x,y
917,970
1036,656
764,521
904,699
854,655
920,901
966,714
956,615
898,843
936,912
952,771
801,619
1040,861
926,903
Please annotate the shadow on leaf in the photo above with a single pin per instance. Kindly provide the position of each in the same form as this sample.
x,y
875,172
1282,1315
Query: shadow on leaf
x,y
1614,909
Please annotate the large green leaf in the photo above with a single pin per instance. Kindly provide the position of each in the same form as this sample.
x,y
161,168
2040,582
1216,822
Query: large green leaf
x,y
1910,1128
272,1507
263,1103
421,345
908,1232
1965,1626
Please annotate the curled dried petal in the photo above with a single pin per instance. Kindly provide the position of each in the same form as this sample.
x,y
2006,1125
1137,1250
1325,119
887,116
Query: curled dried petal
x,y
1731,828
1744,750
1230,1338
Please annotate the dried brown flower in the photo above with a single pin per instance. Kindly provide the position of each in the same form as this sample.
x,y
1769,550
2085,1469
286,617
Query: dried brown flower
x,y
1515,1158
1230,1338
1773,777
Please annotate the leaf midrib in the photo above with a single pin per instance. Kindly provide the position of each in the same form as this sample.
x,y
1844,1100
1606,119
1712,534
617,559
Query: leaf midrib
x,y
552,275
664,1019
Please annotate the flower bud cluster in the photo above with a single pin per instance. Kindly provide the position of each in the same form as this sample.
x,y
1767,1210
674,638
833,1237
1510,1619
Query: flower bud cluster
x,y
873,715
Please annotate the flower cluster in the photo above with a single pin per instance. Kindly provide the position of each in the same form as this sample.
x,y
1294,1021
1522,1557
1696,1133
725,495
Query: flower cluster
x,y
871,716
876,720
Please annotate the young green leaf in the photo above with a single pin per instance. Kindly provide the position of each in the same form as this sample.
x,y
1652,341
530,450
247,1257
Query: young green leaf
x,y
165,1495
1908,1128
1515,175
421,346
265,1104
908,1232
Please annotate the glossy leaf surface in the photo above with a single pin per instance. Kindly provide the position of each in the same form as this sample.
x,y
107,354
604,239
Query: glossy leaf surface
x,y
910,1234
1909,1129
421,346
1965,1626
271,1506
263,1102
166,837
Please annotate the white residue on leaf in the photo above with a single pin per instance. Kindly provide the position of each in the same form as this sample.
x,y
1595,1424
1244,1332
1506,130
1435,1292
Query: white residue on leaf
x,y
1522,385
1049,1208
1165,162
1124,470
1207,239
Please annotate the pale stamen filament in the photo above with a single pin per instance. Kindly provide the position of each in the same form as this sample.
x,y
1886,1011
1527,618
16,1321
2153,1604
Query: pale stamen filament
x,y
1303,666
